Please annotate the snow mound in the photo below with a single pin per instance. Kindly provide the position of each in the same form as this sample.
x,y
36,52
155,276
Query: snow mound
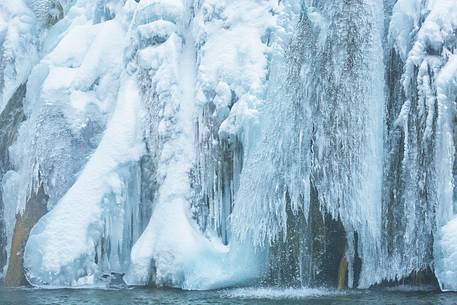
x,y
61,247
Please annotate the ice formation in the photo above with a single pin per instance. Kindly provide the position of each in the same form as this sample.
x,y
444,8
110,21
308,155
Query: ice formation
x,y
202,144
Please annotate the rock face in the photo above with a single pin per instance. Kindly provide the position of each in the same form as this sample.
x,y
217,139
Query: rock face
x,y
202,144
10,119
34,210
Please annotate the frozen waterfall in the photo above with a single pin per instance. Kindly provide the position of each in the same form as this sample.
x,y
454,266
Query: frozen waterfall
x,y
201,144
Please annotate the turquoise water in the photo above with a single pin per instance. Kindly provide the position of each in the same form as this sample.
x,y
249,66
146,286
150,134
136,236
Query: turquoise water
x,y
265,296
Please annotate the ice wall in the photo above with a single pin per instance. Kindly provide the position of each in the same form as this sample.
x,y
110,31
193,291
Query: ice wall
x,y
421,107
18,54
70,96
186,243
96,211
313,135
205,144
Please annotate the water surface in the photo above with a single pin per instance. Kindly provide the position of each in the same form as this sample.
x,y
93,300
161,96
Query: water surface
x,y
267,296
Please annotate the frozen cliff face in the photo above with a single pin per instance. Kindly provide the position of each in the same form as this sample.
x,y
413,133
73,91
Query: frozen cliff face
x,y
18,36
214,82
205,144
85,86
230,86
421,121
18,54
320,145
